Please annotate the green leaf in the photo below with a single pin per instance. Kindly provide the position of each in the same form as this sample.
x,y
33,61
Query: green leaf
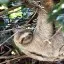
x,y
4,1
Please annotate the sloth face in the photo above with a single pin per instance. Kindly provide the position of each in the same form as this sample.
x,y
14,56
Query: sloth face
x,y
26,38
23,37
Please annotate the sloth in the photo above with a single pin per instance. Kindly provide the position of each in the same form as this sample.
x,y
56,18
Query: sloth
x,y
23,37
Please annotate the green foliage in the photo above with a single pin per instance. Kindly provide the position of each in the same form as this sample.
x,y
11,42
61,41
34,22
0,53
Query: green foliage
x,y
61,1
23,13
15,13
17,16
57,14
4,1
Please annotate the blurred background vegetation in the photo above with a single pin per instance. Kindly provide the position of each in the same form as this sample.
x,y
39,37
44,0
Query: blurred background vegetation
x,y
57,14
17,16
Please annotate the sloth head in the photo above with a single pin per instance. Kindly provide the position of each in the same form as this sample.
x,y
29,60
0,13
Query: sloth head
x,y
23,37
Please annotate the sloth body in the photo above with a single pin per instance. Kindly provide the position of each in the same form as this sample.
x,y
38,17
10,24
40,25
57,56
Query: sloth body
x,y
23,37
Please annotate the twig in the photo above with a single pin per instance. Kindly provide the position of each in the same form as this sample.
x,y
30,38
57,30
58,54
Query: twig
x,y
35,4
7,57
8,39
20,57
53,35
6,30
11,29
8,50
56,32
12,36
32,16
3,12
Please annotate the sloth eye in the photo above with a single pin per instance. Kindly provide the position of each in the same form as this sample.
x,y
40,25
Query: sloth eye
x,y
28,37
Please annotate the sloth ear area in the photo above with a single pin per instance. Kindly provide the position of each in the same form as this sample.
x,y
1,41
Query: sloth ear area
x,y
23,37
